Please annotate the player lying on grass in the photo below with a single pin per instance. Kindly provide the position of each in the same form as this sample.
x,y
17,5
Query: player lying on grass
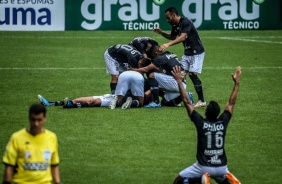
x,y
90,101
127,82
211,130
120,58
163,62
141,43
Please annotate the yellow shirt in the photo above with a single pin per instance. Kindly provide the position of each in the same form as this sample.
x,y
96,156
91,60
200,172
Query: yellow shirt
x,y
32,156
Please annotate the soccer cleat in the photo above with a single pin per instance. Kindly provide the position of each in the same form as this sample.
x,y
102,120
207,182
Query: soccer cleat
x,y
232,179
113,103
67,103
43,100
178,105
153,105
127,103
191,97
200,104
206,178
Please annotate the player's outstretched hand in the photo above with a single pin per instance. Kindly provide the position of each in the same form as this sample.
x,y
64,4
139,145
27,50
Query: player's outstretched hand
x,y
163,47
236,76
157,30
177,74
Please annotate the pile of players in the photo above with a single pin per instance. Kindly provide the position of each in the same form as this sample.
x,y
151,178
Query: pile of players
x,y
140,73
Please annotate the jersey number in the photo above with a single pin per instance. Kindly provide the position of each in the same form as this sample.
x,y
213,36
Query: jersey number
x,y
217,138
128,48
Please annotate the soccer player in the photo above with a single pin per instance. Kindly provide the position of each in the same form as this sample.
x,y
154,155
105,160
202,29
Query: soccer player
x,y
133,81
183,30
81,102
162,62
120,58
141,43
211,130
32,154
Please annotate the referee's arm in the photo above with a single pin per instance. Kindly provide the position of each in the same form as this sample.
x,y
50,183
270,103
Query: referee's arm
x,y
8,174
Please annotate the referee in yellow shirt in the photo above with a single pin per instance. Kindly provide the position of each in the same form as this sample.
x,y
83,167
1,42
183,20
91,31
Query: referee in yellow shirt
x,y
32,154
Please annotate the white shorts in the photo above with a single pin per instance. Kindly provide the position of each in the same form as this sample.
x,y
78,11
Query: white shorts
x,y
196,171
193,63
112,66
105,99
169,85
130,80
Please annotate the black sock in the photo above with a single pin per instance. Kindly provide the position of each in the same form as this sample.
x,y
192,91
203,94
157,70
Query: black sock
x,y
135,104
194,180
198,86
155,89
59,103
174,101
113,87
225,181
77,105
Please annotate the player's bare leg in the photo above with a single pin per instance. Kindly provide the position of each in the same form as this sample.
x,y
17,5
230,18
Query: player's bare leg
x,y
82,99
148,97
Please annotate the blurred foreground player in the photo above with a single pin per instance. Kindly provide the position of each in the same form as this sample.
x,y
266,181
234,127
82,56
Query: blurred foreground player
x,y
211,131
32,154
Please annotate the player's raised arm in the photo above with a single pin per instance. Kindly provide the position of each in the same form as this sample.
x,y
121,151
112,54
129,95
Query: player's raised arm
x,y
236,78
184,96
164,34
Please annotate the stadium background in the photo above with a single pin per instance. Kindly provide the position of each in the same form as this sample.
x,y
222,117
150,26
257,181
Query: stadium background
x,y
141,146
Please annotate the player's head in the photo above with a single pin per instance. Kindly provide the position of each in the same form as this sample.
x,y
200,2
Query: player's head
x,y
143,62
152,49
212,111
171,15
37,117
151,42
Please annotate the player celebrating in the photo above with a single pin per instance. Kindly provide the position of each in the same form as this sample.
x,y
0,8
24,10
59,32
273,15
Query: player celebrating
x,y
81,102
141,43
133,81
211,130
194,52
32,154
162,62
118,59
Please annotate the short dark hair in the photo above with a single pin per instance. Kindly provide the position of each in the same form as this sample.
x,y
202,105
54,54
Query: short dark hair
x,y
145,62
37,109
172,10
152,48
212,111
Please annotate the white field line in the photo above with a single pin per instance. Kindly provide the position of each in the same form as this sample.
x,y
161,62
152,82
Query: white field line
x,y
205,68
248,40
119,37
257,39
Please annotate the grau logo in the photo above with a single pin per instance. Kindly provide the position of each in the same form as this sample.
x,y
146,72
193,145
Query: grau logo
x,y
159,2
258,1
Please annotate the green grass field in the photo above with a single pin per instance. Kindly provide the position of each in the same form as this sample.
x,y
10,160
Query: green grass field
x,y
98,145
